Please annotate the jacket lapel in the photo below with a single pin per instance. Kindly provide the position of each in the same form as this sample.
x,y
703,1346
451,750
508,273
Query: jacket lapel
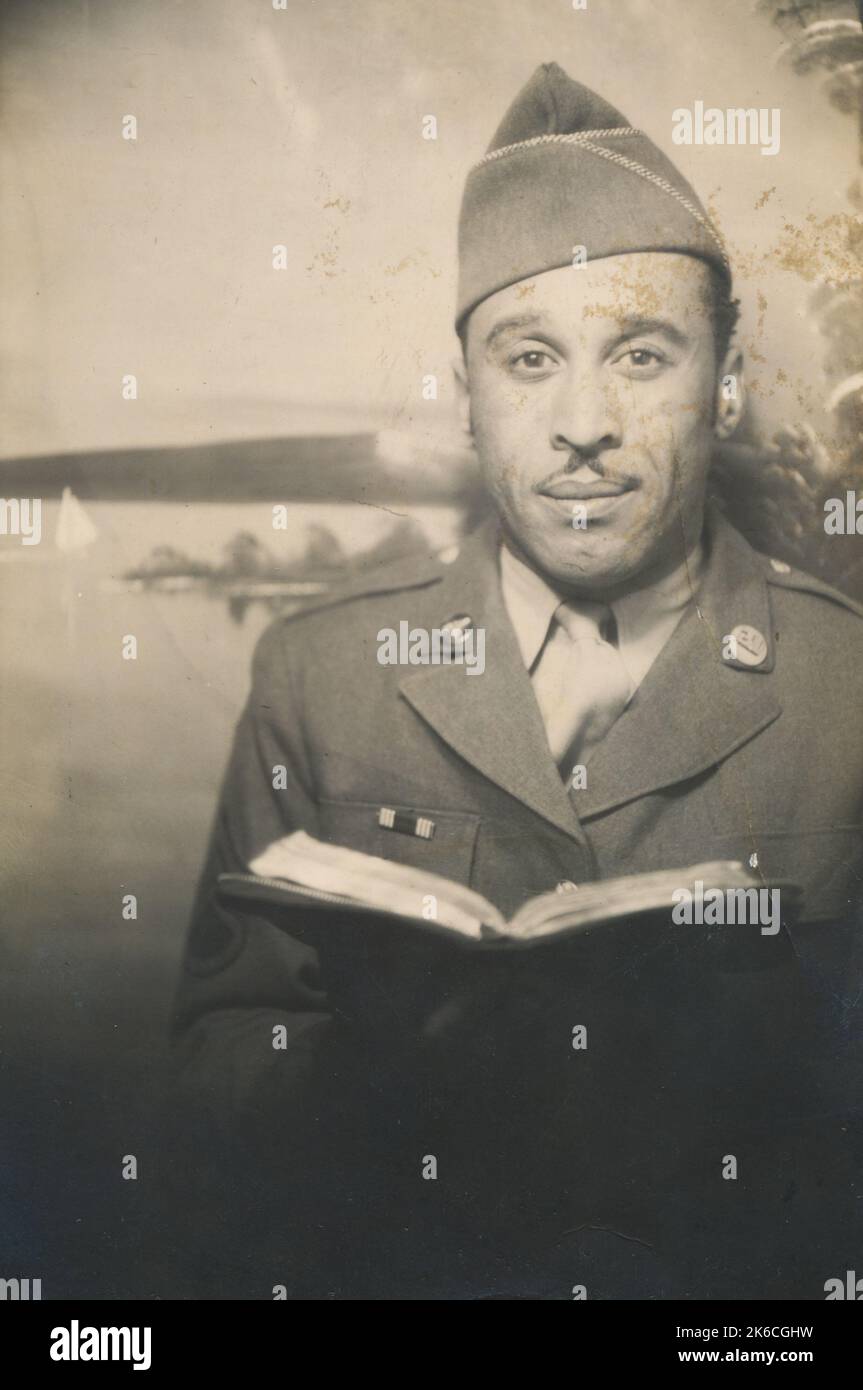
x,y
695,706
491,719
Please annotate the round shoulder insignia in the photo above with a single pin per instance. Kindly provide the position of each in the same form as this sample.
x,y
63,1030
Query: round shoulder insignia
x,y
751,645
780,566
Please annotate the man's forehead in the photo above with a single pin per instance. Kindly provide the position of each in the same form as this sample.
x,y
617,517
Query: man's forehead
x,y
643,287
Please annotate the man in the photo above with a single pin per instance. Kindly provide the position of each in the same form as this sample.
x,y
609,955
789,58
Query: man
x,y
655,694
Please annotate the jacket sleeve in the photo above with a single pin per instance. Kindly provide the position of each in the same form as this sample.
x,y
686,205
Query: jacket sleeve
x,y
243,980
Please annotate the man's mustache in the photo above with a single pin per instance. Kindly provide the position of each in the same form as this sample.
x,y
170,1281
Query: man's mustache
x,y
591,470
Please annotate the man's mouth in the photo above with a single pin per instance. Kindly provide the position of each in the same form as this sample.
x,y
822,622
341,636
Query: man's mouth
x,y
572,490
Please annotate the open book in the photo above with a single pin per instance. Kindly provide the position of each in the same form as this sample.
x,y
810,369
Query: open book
x,y
300,871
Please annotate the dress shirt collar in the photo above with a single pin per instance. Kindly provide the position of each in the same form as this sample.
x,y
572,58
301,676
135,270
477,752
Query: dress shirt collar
x,y
645,618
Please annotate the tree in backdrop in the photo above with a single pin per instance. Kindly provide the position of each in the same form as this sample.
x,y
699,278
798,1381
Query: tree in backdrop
x,y
823,36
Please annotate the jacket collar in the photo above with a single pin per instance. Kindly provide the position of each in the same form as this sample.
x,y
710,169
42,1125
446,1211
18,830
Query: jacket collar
x,y
491,720
696,705
699,702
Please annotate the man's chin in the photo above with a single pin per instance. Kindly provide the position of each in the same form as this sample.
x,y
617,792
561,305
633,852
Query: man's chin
x,y
579,562
589,579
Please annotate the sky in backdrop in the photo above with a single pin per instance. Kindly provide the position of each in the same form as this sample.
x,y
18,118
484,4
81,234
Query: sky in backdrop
x,y
303,127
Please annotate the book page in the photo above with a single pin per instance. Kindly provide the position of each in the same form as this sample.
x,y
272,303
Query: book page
x,y
634,893
374,882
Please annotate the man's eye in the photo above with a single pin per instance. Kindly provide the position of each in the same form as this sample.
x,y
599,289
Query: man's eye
x,y
642,360
532,362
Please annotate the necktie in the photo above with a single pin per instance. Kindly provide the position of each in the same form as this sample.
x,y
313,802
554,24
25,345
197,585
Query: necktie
x,y
580,682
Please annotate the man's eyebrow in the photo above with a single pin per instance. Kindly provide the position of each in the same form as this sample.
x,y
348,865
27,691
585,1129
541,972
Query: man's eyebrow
x,y
506,326
630,328
626,328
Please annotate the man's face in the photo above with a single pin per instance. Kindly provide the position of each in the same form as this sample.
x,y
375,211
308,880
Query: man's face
x,y
592,396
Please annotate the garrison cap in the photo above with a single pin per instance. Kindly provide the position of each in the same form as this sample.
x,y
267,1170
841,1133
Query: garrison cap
x,y
566,169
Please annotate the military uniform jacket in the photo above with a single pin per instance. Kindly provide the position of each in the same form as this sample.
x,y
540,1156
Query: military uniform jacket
x,y
717,757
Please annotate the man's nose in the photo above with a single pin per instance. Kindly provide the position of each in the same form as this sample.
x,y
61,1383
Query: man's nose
x,y
584,418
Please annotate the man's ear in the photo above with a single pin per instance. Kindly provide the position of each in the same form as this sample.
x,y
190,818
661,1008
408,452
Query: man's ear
x,y
730,394
462,392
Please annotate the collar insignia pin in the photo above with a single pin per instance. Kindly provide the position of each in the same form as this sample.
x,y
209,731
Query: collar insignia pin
x,y
458,627
751,645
